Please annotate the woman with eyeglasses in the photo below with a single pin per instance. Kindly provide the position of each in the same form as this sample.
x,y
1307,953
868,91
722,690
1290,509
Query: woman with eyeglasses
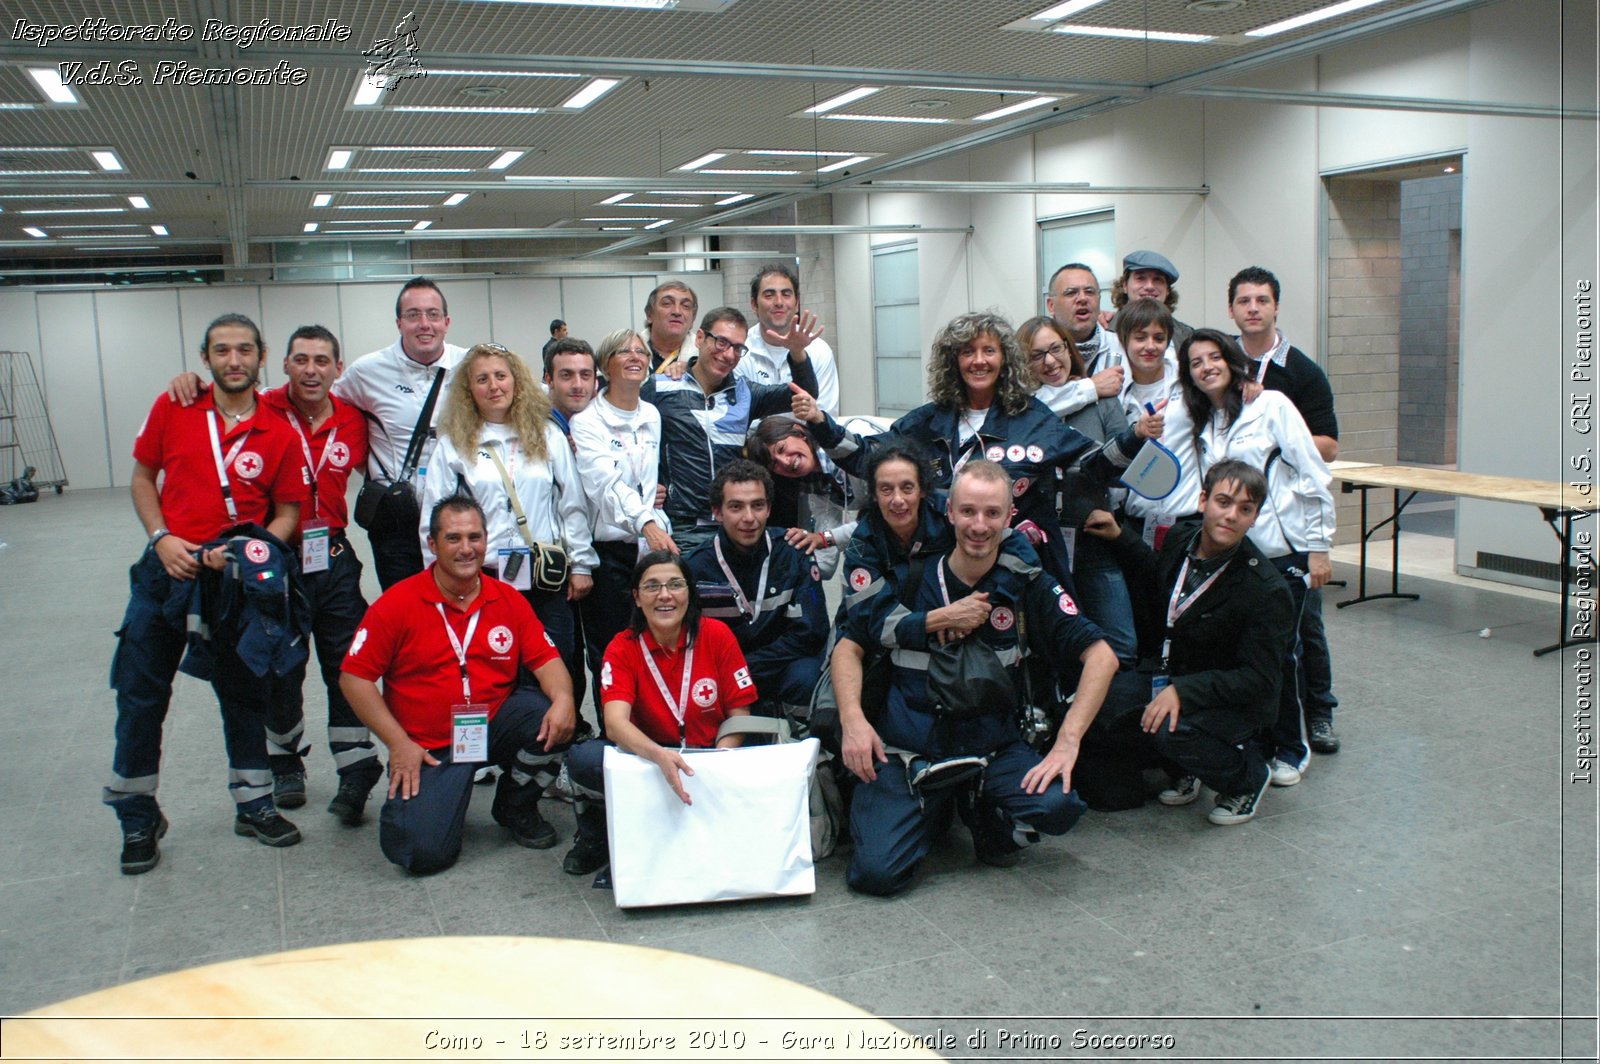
x,y
618,440
499,443
668,683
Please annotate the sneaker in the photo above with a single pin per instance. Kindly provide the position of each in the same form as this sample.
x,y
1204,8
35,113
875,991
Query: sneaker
x,y
589,855
1238,808
267,827
141,849
1284,774
484,776
289,790
1184,790
530,829
350,804
1323,740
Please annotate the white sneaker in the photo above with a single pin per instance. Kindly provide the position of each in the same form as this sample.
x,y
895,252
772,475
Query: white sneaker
x,y
1184,790
1284,774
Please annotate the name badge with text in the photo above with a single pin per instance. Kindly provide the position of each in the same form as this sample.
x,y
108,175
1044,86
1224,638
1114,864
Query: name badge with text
x,y
314,547
469,734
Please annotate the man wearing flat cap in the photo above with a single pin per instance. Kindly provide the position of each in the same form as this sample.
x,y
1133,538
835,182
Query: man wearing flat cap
x,y
1149,275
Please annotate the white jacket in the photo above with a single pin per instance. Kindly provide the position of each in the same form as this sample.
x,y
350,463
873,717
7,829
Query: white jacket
x,y
548,489
1298,515
619,457
391,389
765,364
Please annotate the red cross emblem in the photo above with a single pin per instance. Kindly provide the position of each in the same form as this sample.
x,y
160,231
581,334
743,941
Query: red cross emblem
x,y
248,465
339,455
859,579
500,639
704,693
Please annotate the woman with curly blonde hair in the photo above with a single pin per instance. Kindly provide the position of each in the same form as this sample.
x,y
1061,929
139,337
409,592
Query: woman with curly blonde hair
x,y
495,432
979,384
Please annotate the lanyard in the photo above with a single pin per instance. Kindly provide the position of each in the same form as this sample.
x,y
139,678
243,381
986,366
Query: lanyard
x,y
315,468
746,607
1179,604
224,463
460,647
944,591
1261,370
681,707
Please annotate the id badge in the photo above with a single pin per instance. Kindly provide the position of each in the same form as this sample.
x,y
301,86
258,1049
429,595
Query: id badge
x,y
1158,683
521,574
1069,543
1155,530
314,547
469,734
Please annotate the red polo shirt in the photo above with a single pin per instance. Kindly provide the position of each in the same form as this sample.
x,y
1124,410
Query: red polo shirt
x,y
402,642
721,682
264,470
336,448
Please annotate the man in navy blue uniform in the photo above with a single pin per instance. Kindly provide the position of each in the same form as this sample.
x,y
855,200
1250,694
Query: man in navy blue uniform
x,y
768,592
988,594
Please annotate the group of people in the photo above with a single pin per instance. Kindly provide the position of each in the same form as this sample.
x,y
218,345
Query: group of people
x,y
1019,637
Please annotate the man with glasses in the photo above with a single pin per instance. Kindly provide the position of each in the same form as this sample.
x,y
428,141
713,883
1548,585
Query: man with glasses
x,y
1073,299
705,416
391,387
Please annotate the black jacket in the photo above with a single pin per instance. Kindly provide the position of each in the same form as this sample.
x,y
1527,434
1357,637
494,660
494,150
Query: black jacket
x,y
1228,647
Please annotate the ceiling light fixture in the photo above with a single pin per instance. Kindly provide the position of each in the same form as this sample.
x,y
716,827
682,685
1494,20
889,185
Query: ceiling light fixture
x,y
1061,11
339,159
1311,16
415,170
618,198
624,218
736,198
590,93
505,159
453,110
842,164
1130,33
658,225
49,81
833,103
309,227
420,226
912,119
35,232
705,160
367,94
44,173
664,206
692,192
752,173
159,230
455,199
75,210
800,153
106,159
431,147
139,203
383,206
1016,108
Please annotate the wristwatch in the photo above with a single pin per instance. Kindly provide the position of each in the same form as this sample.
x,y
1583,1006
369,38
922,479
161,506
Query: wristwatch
x,y
155,537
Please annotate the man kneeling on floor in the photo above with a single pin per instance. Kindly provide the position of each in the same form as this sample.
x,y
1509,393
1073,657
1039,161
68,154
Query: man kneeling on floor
x,y
948,731
1213,681
448,644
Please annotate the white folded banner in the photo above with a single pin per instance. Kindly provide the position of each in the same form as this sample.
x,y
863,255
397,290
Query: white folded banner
x,y
747,835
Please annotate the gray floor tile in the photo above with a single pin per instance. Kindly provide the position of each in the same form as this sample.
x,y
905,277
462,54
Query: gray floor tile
x,y
949,984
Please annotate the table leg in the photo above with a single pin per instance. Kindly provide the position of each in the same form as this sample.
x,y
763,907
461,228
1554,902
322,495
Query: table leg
x,y
1394,591
1563,532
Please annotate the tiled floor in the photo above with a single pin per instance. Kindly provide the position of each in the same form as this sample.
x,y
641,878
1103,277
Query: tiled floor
x,y
1440,866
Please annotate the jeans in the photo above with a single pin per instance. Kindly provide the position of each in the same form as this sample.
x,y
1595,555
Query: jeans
x,y
607,608
1316,664
1104,594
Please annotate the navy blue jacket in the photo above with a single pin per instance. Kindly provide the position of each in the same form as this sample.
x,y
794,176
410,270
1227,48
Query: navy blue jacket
x,y
254,603
793,622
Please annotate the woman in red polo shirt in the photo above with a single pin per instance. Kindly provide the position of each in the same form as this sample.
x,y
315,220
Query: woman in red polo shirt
x,y
668,682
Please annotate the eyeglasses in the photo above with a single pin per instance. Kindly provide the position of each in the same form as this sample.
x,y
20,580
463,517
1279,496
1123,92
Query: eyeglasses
x,y
413,316
655,587
1072,293
1057,351
725,344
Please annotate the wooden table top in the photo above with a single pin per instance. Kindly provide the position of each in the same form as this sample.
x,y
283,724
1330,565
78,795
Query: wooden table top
x,y
1468,485
425,997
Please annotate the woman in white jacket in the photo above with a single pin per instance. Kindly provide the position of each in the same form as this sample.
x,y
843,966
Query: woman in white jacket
x,y
496,430
1295,526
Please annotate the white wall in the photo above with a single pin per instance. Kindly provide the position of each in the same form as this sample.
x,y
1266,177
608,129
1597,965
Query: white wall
x,y
104,355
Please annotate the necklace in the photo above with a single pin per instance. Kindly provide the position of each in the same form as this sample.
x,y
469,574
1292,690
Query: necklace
x,y
241,415
460,596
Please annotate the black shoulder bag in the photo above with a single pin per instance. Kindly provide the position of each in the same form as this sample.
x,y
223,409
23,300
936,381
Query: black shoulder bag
x,y
395,505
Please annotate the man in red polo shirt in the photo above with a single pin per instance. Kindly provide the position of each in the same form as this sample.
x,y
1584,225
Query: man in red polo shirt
x,y
448,644
331,437
198,470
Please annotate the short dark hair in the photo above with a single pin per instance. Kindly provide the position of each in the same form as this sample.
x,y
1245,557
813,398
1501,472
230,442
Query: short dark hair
x,y
728,314
771,431
1071,266
568,345
231,319
1141,314
1251,480
313,332
897,448
556,324
739,471
454,504
647,561
420,282
772,268
1254,275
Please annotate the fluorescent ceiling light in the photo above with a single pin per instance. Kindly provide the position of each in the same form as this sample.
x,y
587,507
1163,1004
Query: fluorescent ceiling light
x,y
421,225
910,119
372,221
833,103
114,247
1309,17
618,198
505,159
843,164
470,110
97,225
397,192
367,94
736,198
159,230
13,149
658,225
646,5
49,81
339,158
590,93
803,153
705,160
383,206
1016,108
365,232
664,206
1130,33
1061,11
322,199
692,192
75,210
34,232
139,203
432,147
106,160
415,170
456,199
616,228
742,173
43,173
624,218
11,106
309,227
